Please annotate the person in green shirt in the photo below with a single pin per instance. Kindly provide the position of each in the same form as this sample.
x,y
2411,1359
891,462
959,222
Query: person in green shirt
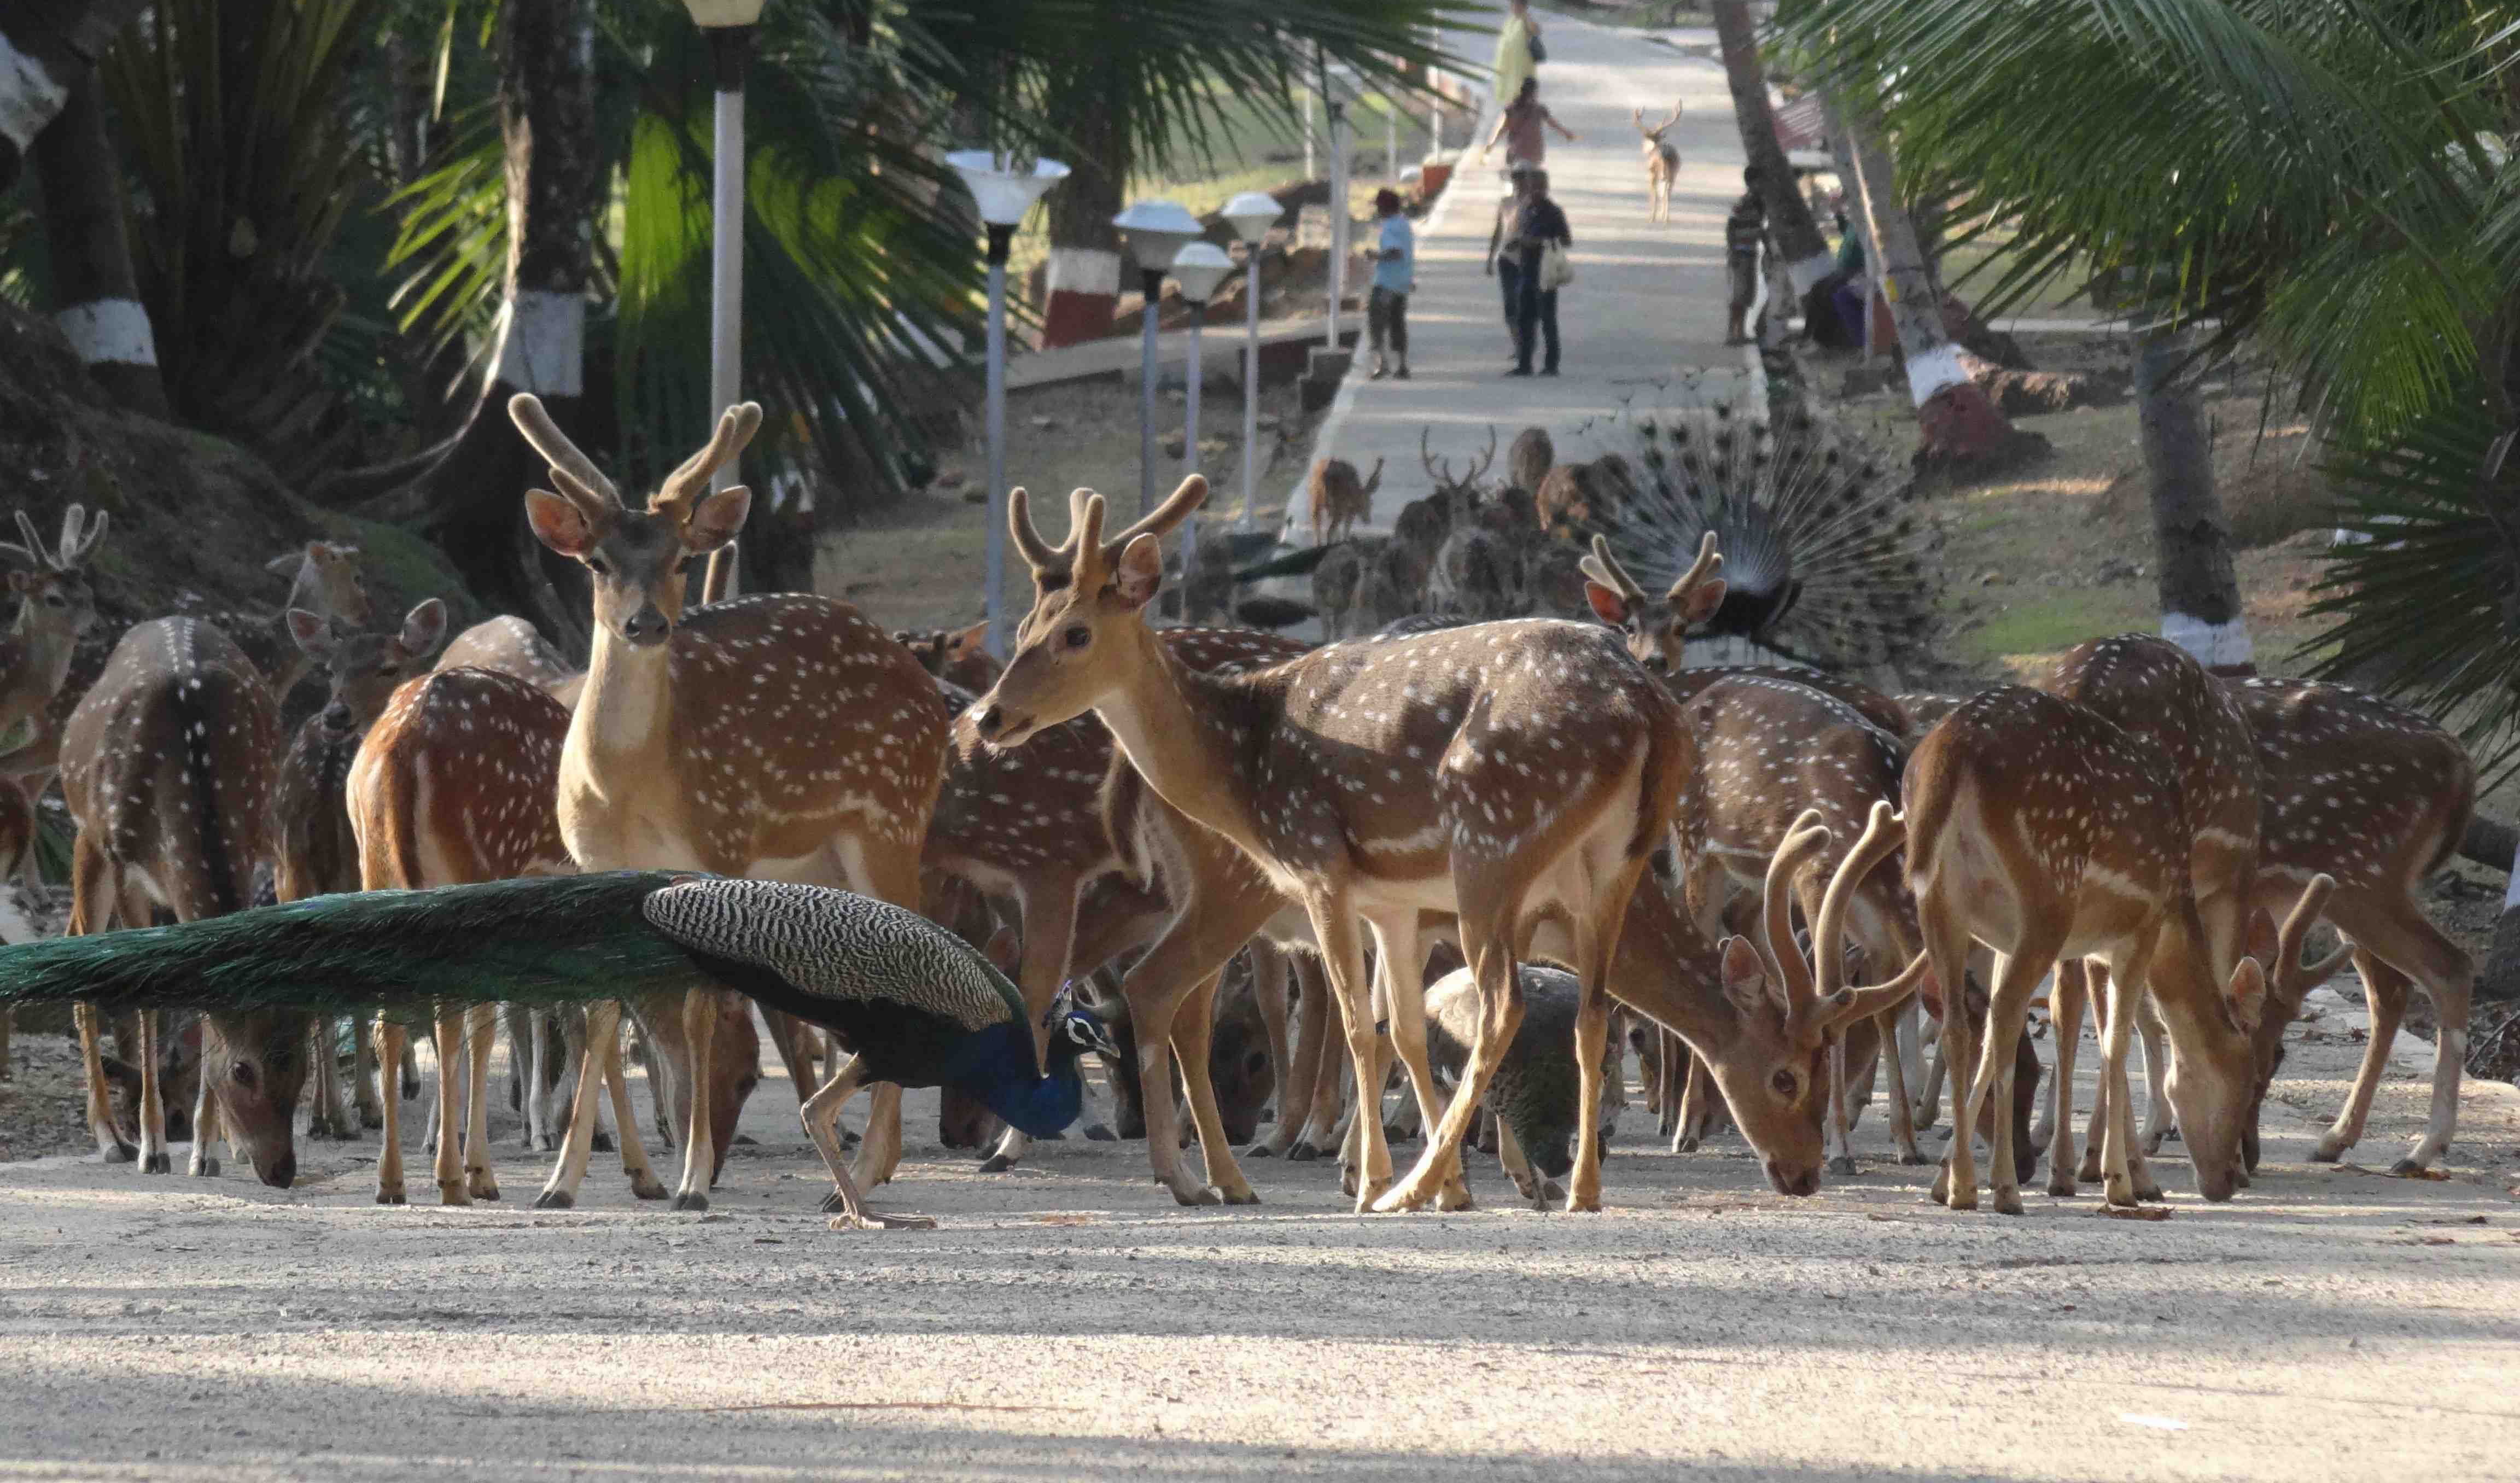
x,y
1516,41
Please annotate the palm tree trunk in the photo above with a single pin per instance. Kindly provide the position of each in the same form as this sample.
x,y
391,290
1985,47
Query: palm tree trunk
x,y
97,295
554,184
1084,276
1958,425
1791,225
2201,597
45,47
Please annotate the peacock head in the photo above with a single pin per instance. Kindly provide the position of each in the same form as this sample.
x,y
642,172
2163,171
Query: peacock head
x,y
1078,1027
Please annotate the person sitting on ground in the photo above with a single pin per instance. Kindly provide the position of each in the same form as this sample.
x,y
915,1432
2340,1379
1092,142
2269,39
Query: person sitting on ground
x,y
1522,126
1539,224
1395,268
1743,230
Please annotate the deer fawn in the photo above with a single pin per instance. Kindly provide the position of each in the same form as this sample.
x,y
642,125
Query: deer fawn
x,y
1340,499
1378,778
316,852
780,736
1662,162
2042,829
166,765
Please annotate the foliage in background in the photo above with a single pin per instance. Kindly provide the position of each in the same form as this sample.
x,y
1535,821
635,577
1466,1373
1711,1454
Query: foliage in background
x,y
2329,178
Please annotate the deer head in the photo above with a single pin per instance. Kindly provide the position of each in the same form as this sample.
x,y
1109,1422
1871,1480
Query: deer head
x,y
324,578
638,558
1656,632
1088,612
364,669
54,595
2215,1094
1653,136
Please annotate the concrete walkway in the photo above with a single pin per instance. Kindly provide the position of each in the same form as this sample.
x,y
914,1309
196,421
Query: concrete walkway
x,y
1643,324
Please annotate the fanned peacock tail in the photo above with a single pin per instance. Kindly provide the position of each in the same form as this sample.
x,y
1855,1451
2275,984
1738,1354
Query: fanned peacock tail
x,y
1826,556
536,940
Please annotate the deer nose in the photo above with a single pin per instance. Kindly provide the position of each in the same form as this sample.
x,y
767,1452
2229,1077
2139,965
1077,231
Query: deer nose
x,y
1659,664
992,721
283,1172
337,717
647,626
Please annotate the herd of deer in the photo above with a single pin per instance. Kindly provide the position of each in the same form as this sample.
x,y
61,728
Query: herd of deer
x,y
1524,788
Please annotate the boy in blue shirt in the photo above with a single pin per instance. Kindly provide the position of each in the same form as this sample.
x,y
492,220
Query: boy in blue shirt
x,y
1395,273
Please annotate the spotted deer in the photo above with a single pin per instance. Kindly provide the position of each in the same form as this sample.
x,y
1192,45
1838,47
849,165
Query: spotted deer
x,y
55,607
1662,162
315,851
955,655
1376,778
2037,826
1529,458
508,644
2376,797
1340,499
166,765
782,736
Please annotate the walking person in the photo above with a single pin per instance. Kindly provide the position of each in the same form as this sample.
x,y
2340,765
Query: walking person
x,y
1742,231
1503,266
1519,51
1523,128
1395,276
1537,228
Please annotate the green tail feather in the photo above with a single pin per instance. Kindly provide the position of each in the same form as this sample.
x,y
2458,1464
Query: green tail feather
x,y
550,941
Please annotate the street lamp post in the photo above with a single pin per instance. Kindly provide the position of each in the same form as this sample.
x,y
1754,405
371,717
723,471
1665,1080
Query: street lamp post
x,y
1198,268
1003,194
729,27
1153,231
1253,214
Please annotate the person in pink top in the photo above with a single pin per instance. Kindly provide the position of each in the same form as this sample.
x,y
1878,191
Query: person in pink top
x,y
1522,127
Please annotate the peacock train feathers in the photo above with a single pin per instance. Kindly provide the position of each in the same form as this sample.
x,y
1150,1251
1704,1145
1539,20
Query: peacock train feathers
x,y
1825,555
917,1003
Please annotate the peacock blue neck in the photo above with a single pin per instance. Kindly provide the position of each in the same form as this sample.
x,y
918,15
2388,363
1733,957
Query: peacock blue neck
x,y
996,1066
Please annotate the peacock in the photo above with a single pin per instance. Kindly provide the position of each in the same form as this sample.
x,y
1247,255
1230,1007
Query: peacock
x,y
1826,557
1534,1092
918,1006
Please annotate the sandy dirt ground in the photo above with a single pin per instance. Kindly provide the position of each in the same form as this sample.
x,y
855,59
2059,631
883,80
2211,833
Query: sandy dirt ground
x,y
1066,1322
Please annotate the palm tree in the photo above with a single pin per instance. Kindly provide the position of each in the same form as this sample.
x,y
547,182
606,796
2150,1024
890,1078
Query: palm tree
x,y
95,295
49,47
1791,225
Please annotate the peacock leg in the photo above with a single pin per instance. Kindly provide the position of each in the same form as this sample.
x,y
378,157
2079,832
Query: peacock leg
x,y
480,1023
821,1114
390,1182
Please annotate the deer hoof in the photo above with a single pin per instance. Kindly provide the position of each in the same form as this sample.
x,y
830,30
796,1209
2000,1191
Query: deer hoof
x,y
203,1166
1297,1152
1096,1133
1684,1146
1195,1194
2007,1202
995,1164
555,1199
2090,1172
2062,1186
158,1163
2402,1168
1844,1166
1246,1196
1913,1159
485,1187
693,1203
393,1196
646,1185
1259,1151
119,1153
2326,1152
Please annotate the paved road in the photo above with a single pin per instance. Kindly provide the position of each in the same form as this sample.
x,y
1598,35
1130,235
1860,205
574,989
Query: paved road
x,y
1644,321
1068,1321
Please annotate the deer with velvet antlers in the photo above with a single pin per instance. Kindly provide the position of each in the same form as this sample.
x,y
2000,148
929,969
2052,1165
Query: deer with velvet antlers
x,y
1377,779
782,736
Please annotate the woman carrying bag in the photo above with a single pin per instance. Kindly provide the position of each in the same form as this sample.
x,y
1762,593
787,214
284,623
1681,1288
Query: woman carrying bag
x,y
1540,247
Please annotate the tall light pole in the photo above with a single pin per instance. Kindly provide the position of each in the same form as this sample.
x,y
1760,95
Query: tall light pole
x,y
1253,214
1004,193
1198,268
1153,231
729,27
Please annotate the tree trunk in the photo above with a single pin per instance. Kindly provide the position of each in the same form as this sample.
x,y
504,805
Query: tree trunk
x,y
2201,597
97,297
1958,425
2498,980
1791,225
554,184
1085,271
45,47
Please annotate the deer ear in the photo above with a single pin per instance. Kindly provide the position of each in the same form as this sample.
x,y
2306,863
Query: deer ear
x,y
285,565
559,523
2248,995
422,628
1607,605
718,518
1139,571
22,581
1699,602
971,638
2263,945
1745,976
314,634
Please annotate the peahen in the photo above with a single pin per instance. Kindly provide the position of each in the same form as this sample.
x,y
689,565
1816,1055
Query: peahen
x,y
1826,554
918,1006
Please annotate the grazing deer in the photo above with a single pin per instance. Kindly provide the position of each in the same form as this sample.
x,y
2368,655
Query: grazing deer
x,y
316,852
1528,460
508,644
1662,162
1340,499
780,736
2045,830
1376,778
166,765
2376,797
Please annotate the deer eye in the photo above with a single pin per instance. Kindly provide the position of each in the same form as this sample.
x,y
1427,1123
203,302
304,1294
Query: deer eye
x,y
599,566
1786,1084
388,672
1077,636
244,1074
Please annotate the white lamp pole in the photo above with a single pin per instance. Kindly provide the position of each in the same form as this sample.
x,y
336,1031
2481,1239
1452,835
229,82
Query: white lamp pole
x,y
1253,214
1198,268
1153,231
1003,194
729,25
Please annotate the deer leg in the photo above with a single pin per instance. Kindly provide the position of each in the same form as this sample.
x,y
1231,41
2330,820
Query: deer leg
x,y
2401,944
1948,944
2385,990
480,1023
616,1077
2117,990
451,1063
205,1163
1193,1026
1269,969
2065,1000
1400,968
1312,1013
1698,1100
1366,1169
821,1115
92,896
1320,1121
390,1189
569,1171
792,1038
1486,927
364,1077
1593,950
540,1133
110,1142
699,1152
2016,979
1049,910
154,1157
323,1087
1156,1014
